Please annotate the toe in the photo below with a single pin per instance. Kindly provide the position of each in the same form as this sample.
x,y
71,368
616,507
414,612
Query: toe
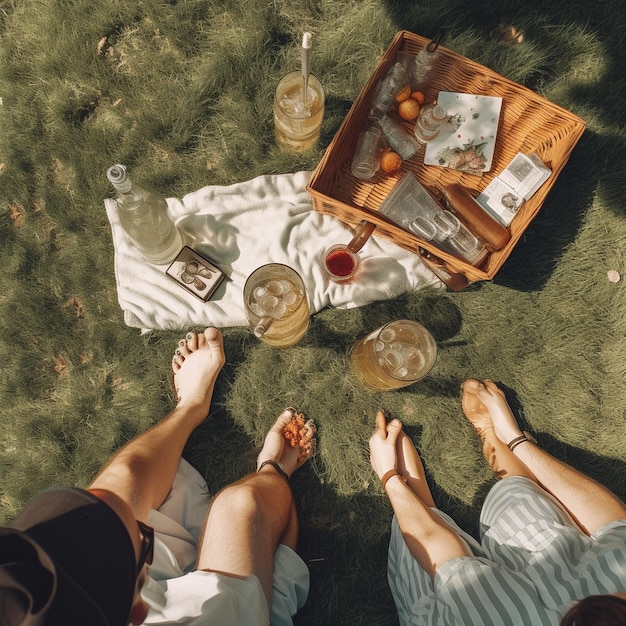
x,y
213,338
284,418
471,385
192,341
183,347
308,444
493,389
469,399
310,429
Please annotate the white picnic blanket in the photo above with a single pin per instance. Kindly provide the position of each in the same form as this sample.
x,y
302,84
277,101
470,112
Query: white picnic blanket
x,y
269,219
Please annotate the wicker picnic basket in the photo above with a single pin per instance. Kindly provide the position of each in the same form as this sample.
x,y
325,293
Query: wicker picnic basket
x,y
528,123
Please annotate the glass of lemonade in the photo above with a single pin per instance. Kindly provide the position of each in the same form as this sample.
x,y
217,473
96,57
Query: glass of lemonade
x,y
297,120
276,305
393,356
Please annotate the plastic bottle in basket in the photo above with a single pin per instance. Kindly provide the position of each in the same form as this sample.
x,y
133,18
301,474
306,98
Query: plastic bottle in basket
x,y
143,215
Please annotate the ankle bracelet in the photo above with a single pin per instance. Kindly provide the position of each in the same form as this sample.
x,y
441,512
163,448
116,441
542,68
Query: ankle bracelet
x,y
277,466
525,436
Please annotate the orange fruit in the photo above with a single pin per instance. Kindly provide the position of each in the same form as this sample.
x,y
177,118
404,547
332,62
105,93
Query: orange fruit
x,y
390,161
408,109
419,96
404,94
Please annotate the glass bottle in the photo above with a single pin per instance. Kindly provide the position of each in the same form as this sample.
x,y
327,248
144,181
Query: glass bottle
x,y
398,137
387,89
424,63
430,121
420,67
143,215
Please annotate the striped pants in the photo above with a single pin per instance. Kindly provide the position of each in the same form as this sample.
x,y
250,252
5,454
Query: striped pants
x,y
531,565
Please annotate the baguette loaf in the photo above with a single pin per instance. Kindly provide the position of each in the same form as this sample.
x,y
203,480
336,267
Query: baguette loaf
x,y
462,204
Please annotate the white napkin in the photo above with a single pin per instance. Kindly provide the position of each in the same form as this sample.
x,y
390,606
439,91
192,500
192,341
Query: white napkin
x,y
269,219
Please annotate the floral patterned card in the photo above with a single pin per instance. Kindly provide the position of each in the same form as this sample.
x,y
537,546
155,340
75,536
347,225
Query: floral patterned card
x,y
468,141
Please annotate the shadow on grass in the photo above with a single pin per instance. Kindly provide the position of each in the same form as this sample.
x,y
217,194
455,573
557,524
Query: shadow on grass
x,y
344,538
344,544
431,308
559,221
335,111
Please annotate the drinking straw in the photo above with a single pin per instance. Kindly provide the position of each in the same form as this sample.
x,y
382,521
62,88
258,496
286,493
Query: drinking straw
x,y
306,56
261,328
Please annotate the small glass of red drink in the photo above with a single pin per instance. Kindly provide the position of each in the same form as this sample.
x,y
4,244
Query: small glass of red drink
x,y
341,262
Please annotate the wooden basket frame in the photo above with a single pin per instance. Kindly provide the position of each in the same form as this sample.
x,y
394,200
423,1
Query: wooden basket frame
x,y
528,123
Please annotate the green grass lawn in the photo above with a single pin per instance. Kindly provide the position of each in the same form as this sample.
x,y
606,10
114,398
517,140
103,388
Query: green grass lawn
x,y
180,91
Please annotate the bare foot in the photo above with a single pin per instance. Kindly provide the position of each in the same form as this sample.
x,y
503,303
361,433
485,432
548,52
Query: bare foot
x,y
276,448
196,364
411,467
485,406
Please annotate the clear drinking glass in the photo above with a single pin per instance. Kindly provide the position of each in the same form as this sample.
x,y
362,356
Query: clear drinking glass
x,y
276,305
298,120
366,158
395,355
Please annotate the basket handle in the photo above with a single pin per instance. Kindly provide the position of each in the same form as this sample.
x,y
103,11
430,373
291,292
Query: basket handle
x,y
362,234
433,44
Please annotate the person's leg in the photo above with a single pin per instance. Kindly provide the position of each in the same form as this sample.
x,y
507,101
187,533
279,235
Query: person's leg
x,y
494,434
142,472
411,467
430,540
249,519
589,503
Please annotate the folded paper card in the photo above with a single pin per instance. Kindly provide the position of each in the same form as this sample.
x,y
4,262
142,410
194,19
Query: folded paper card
x,y
470,141
520,179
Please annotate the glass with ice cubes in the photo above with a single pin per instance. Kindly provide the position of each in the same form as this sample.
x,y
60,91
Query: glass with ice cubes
x,y
276,305
298,117
393,356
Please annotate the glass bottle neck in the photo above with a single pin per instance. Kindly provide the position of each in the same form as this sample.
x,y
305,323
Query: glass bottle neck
x,y
119,178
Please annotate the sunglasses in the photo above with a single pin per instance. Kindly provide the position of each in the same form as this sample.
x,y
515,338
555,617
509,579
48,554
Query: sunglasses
x,y
146,551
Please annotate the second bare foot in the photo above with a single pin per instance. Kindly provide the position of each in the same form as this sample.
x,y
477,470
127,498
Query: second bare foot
x,y
485,406
196,364
277,448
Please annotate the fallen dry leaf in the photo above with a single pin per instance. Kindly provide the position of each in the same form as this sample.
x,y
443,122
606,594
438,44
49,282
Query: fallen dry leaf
x,y
101,44
60,366
120,384
17,213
